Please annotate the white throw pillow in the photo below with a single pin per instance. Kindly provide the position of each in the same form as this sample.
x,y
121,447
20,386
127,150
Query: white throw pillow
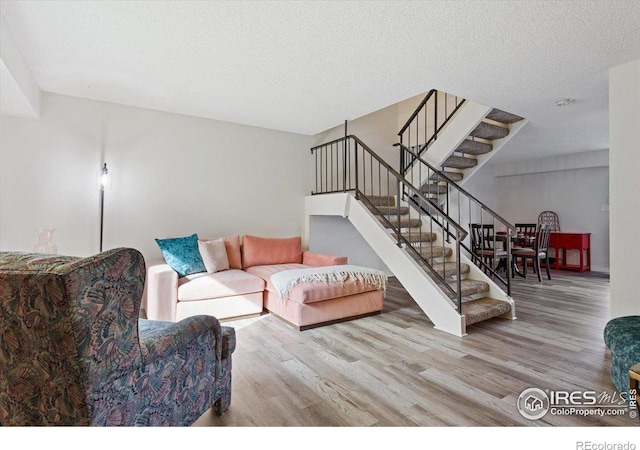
x,y
214,255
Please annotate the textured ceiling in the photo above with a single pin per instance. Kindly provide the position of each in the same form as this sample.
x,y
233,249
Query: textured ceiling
x,y
306,66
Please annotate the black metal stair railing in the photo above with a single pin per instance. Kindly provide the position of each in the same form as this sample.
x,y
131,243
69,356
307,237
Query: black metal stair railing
x,y
464,208
427,121
349,165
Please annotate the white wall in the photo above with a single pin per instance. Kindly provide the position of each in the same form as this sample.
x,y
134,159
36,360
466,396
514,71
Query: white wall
x,y
21,94
624,143
378,130
173,175
334,235
575,186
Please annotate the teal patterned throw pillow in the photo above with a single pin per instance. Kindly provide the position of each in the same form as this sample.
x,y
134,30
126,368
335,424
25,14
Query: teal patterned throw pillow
x,y
182,254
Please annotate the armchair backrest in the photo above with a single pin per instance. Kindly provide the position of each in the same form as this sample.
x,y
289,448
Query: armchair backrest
x,y
68,326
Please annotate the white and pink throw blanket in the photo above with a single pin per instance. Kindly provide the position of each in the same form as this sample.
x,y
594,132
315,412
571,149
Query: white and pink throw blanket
x,y
286,280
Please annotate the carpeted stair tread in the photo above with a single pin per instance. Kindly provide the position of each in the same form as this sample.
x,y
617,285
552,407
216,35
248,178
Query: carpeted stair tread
x,y
469,287
474,147
405,222
415,237
489,131
450,268
437,251
503,116
453,176
381,200
433,188
460,162
483,309
389,210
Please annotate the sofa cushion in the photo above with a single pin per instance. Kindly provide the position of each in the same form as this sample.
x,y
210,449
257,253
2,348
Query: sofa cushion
x,y
220,284
310,292
258,251
320,259
182,254
214,255
232,244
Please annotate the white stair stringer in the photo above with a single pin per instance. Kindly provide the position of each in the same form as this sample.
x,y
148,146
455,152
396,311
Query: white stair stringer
x,y
435,304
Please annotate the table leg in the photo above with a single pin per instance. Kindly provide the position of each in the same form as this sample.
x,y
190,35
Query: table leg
x,y
516,271
581,259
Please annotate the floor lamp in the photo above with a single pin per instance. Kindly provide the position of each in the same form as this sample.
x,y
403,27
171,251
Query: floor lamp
x,y
104,181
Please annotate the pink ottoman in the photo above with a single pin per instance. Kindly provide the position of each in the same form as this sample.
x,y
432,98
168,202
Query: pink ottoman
x,y
314,304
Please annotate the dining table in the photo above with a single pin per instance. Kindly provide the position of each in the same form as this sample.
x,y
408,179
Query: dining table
x,y
517,240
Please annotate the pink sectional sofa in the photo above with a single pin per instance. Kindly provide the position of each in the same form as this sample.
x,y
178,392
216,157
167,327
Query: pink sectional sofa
x,y
246,288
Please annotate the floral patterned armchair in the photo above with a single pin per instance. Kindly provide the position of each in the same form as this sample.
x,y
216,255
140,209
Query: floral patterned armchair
x,y
73,350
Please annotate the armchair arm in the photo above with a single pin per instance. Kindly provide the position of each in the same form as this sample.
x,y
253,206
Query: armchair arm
x,y
162,293
318,259
163,339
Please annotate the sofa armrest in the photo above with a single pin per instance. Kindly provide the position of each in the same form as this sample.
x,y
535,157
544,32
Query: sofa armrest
x,y
318,259
162,293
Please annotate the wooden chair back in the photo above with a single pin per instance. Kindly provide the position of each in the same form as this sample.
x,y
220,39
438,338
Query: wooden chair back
x,y
549,218
528,229
542,238
482,236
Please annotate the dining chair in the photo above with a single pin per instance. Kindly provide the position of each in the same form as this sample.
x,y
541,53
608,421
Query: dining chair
x,y
537,253
549,218
486,248
526,230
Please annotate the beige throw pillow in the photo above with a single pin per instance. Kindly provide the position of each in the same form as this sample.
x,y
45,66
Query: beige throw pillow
x,y
214,255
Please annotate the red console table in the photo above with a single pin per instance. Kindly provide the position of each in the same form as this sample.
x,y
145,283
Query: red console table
x,y
561,242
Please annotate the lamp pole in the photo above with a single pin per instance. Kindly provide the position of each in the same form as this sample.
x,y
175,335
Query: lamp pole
x,y
103,182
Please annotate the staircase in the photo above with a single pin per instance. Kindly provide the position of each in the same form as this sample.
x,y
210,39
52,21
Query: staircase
x,y
416,218
425,251
477,306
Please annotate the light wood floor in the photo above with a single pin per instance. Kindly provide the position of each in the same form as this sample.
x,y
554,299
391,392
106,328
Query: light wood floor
x,y
395,369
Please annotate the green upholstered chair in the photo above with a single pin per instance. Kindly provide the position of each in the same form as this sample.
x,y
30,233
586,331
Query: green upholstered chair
x,y
622,336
